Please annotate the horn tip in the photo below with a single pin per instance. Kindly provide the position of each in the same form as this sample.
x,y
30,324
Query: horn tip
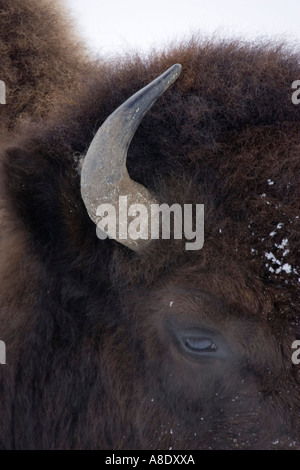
x,y
173,73
176,68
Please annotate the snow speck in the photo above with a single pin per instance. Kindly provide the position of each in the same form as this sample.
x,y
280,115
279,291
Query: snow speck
x,y
282,244
275,442
287,268
272,270
171,303
270,182
271,257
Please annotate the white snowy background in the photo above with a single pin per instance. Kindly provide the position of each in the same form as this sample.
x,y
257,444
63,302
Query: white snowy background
x,y
114,27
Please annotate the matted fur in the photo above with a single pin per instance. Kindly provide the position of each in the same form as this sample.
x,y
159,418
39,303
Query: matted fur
x,y
90,363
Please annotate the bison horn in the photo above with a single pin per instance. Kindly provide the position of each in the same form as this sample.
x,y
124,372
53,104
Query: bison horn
x,y
104,176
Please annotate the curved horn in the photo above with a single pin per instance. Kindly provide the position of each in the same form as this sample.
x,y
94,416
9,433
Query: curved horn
x,y
104,176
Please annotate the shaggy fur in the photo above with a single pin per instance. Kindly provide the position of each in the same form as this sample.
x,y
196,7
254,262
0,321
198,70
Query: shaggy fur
x,y
90,360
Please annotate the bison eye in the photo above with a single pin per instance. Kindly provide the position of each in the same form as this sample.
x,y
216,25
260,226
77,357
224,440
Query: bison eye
x,y
200,343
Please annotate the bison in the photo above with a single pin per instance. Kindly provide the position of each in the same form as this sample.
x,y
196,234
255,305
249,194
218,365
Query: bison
x,y
147,345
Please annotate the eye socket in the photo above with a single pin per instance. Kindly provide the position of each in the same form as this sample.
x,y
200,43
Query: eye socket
x,y
201,343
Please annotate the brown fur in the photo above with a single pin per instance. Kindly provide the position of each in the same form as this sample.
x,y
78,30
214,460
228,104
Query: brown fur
x,y
91,363
40,59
